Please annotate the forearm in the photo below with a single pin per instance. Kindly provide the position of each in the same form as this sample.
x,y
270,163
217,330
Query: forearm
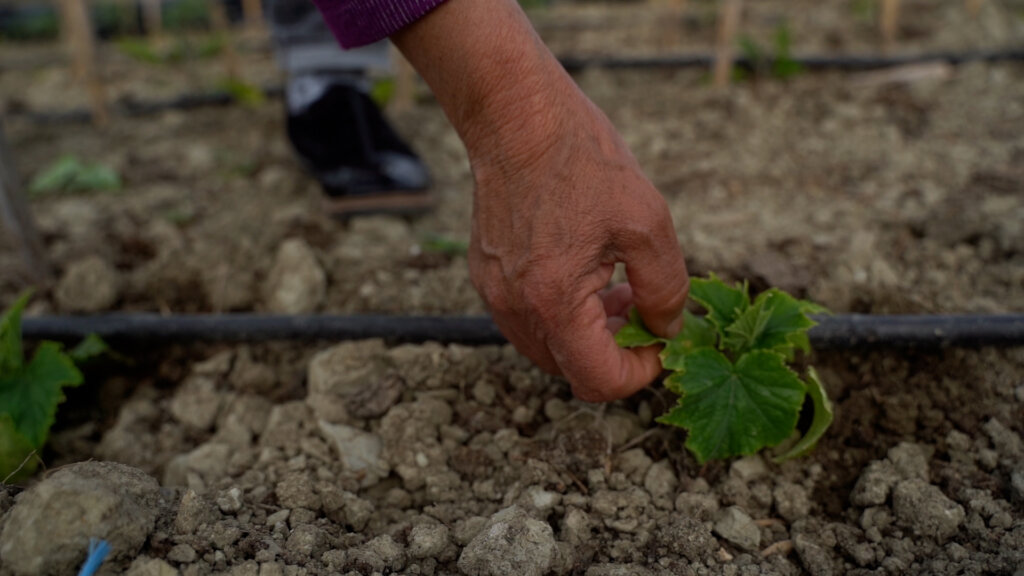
x,y
501,88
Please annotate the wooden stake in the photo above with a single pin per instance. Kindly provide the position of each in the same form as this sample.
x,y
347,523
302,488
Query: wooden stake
x,y
153,18
82,49
404,97
889,22
252,11
672,32
219,22
16,218
728,23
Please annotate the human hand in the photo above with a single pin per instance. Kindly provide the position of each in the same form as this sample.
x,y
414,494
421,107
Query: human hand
x,y
548,226
559,200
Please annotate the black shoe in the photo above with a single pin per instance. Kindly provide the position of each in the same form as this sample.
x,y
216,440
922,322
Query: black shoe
x,y
362,164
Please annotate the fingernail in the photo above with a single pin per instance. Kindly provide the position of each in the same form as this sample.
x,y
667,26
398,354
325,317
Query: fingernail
x,y
675,326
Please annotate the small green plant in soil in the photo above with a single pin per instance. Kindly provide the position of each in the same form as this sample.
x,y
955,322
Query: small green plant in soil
x,y
243,92
69,174
779,65
732,369
30,391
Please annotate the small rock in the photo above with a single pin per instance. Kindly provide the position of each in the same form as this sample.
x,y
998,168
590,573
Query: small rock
x,y
816,559
539,500
375,398
689,538
278,517
874,484
182,554
346,508
661,481
198,468
48,529
576,527
749,469
359,451
555,409
196,403
634,463
427,540
88,285
297,283
295,490
340,373
737,527
193,512
510,543
248,375
144,566
484,393
1007,442
611,569
378,555
466,530
697,505
910,460
215,366
791,501
1017,485
230,501
248,568
924,509
306,541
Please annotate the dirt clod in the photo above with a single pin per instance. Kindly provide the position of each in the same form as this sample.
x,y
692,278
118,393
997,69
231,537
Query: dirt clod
x,y
88,285
925,510
297,283
49,528
737,527
511,542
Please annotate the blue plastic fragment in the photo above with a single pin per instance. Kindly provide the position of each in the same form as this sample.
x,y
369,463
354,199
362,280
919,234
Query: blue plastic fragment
x,y
98,550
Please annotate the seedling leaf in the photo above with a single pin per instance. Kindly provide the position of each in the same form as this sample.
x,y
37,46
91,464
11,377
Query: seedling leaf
x,y
697,333
69,174
724,303
31,394
91,347
731,410
823,416
775,321
16,461
11,357
635,334
56,176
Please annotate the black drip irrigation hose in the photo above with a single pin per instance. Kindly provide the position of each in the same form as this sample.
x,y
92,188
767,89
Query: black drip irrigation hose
x,y
129,107
845,63
833,332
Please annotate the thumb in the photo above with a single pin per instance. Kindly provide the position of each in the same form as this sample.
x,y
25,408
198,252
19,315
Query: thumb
x,y
657,273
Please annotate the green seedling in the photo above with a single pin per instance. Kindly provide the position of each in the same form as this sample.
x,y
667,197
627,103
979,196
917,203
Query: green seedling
x,y
69,174
243,92
439,244
30,391
779,65
731,368
382,91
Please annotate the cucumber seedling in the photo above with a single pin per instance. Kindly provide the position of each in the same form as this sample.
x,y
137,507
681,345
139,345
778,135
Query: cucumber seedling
x,y
732,369
31,390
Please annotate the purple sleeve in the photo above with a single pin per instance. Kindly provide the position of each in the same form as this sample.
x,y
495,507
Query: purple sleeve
x,y
360,22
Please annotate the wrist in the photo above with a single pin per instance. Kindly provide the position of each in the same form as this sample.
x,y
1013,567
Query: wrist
x,y
501,88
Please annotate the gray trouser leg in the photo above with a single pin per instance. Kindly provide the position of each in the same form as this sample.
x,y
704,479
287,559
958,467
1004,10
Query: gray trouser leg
x,y
304,44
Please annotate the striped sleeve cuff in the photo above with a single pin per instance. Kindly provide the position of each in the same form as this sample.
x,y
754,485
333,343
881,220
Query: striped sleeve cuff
x,y
360,22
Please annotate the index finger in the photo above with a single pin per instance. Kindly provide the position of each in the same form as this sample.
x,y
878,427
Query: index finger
x,y
598,369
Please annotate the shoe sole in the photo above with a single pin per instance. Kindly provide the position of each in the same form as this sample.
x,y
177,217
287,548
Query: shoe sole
x,y
402,204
